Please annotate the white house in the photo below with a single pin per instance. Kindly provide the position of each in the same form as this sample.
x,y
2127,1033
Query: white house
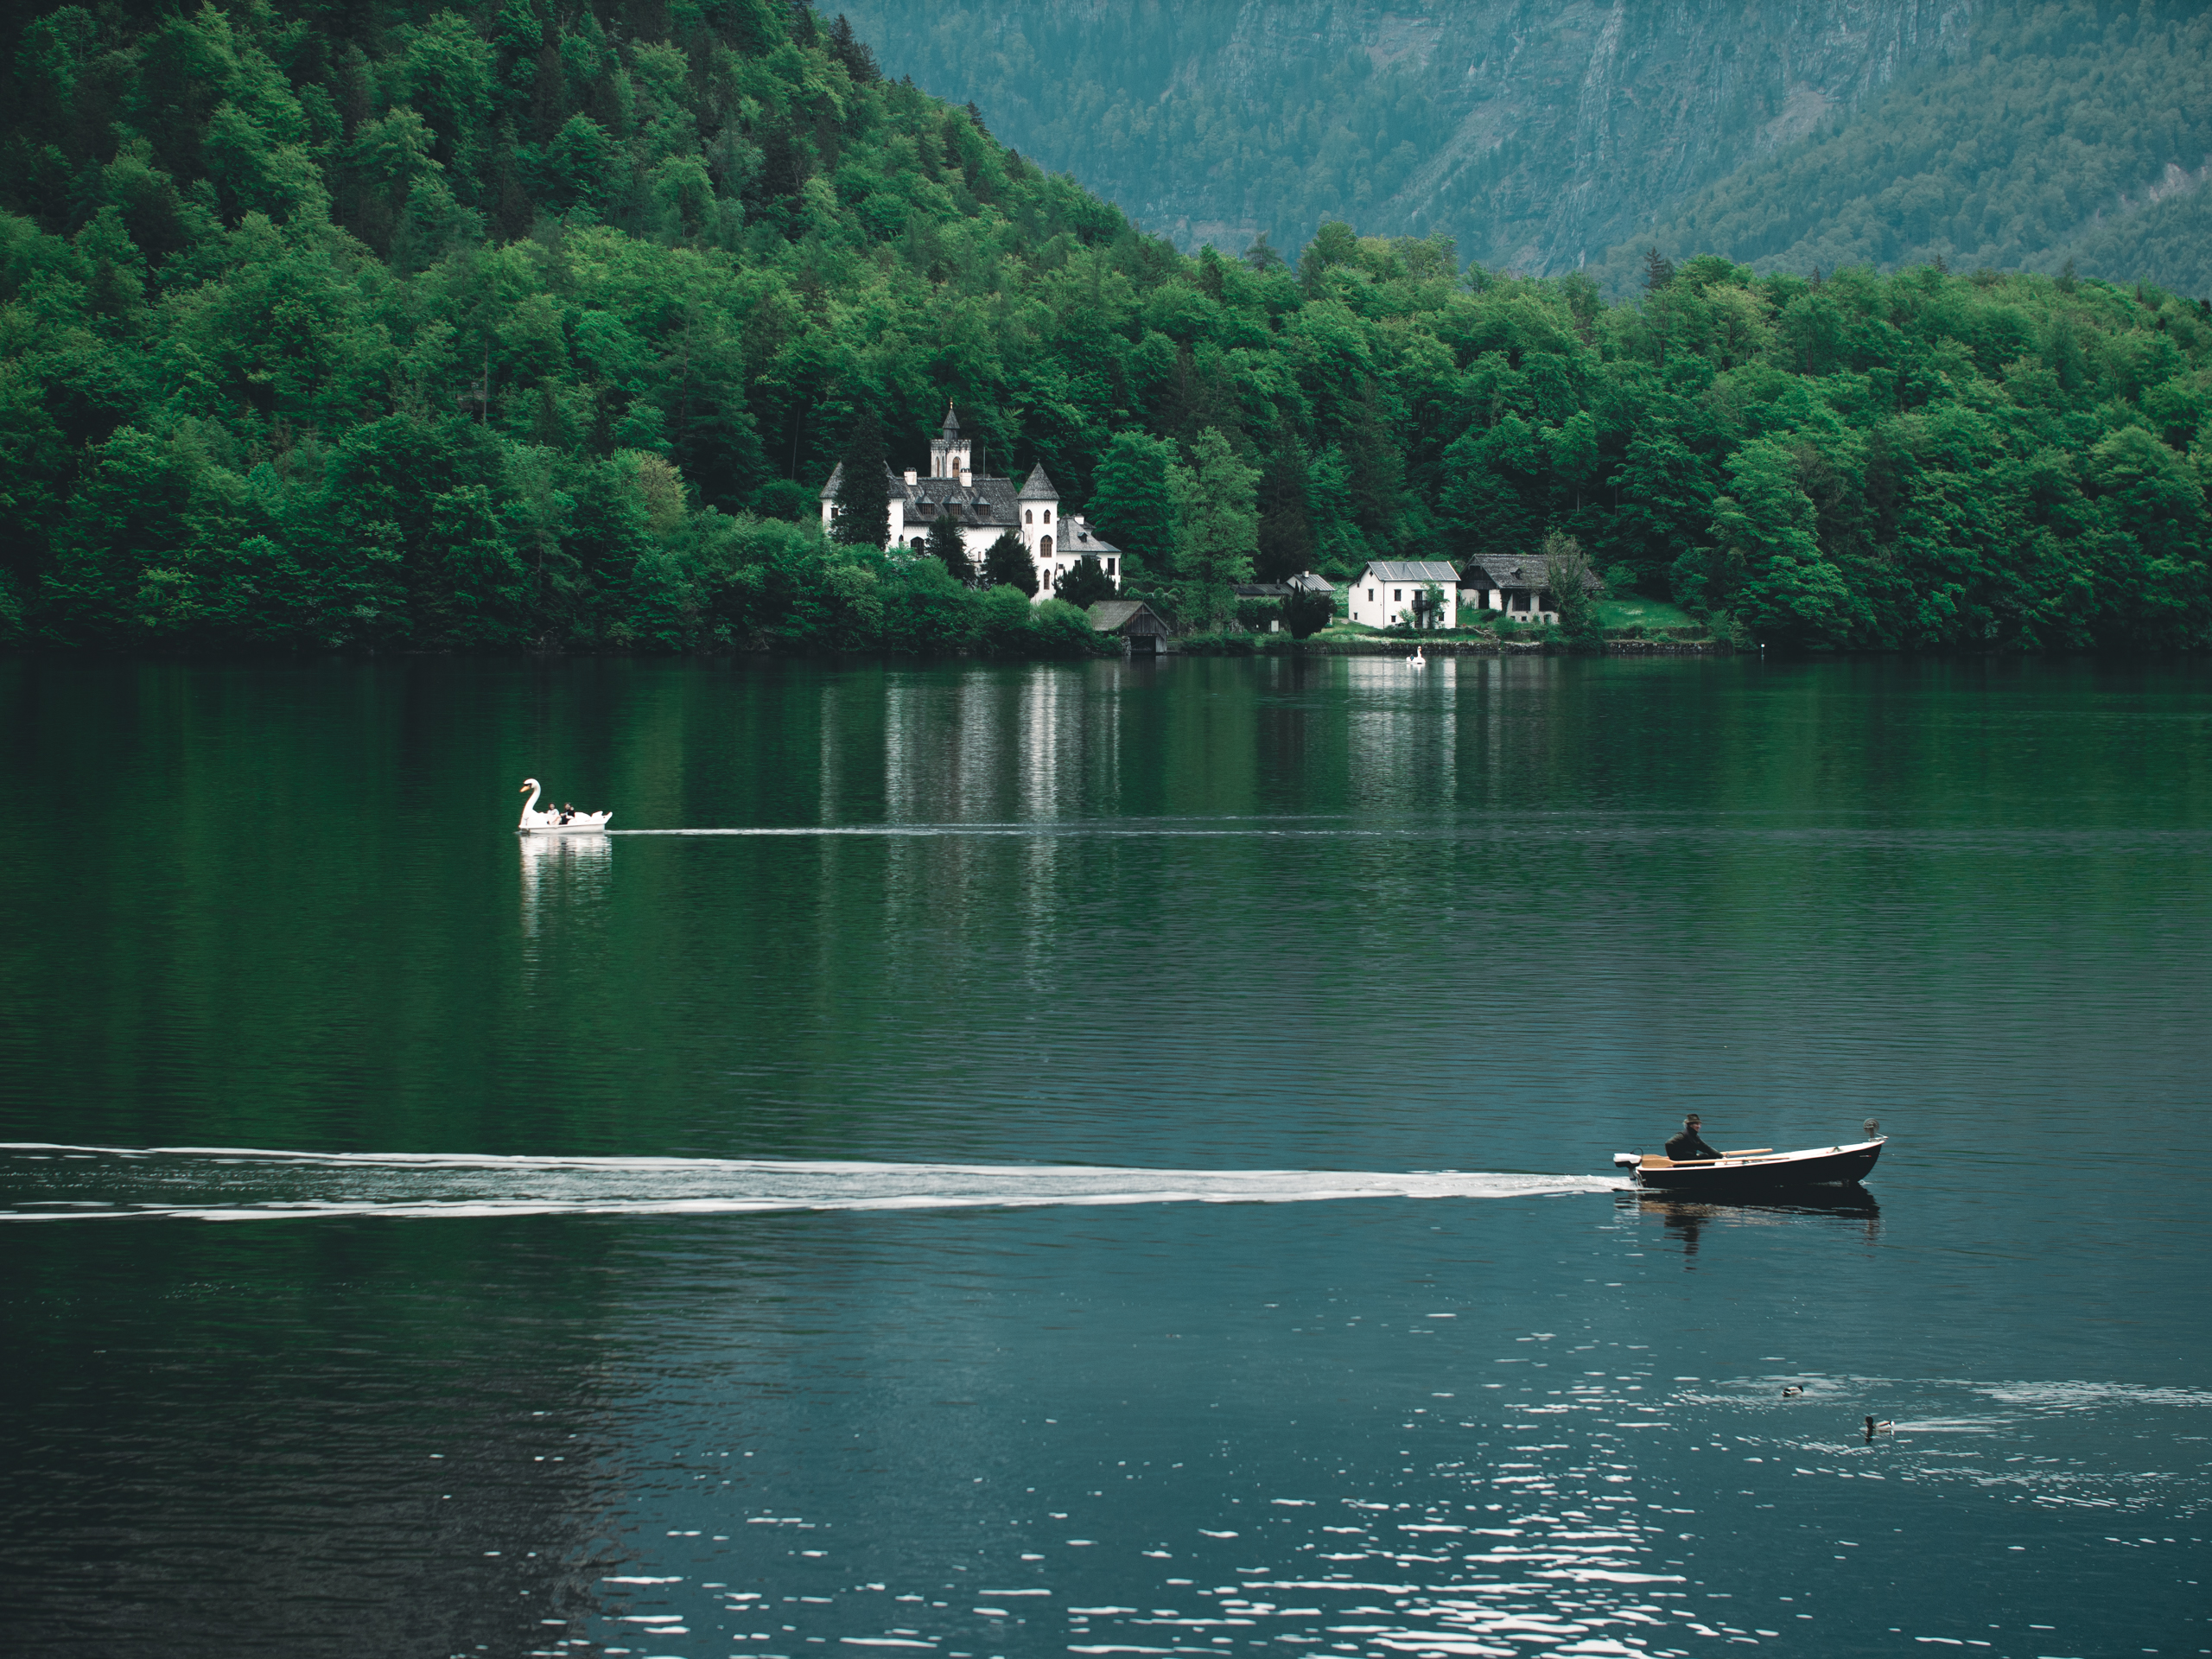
x,y
1387,594
984,507
1519,587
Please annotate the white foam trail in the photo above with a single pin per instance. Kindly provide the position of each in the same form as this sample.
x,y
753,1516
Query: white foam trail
x,y
1149,832
252,1183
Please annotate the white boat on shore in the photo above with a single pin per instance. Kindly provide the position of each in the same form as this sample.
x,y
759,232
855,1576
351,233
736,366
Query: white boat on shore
x,y
553,821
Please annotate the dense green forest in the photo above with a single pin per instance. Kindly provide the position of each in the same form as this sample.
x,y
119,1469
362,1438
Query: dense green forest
x,y
410,326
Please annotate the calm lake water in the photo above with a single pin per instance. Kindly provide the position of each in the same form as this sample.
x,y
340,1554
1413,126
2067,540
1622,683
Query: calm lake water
x,y
1102,1159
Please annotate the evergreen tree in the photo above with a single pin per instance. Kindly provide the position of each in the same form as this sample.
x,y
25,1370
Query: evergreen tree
x,y
1286,523
1007,564
1262,257
853,52
1084,583
1130,505
1306,612
864,503
1658,270
950,548
1217,528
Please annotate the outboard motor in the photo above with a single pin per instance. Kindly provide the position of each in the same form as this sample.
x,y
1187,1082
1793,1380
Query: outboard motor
x,y
1627,1160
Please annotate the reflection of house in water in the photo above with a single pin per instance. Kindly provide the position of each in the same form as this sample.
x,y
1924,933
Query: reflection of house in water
x,y
939,744
1402,743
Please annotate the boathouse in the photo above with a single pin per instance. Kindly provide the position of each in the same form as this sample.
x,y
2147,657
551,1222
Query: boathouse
x,y
1142,629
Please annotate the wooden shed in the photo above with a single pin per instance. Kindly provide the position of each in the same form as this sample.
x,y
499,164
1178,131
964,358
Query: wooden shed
x,y
1141,629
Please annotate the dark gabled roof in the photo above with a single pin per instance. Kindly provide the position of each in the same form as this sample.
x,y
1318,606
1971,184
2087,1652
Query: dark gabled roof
x,y
1262,590
1125,616
1436,570
1518,572
1077,537
1306,581
1038,487
1507,573
984,501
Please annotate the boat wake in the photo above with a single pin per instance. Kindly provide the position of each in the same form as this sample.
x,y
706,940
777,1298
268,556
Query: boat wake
x,y
40,1181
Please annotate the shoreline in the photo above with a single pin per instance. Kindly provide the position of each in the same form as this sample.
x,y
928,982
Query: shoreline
x,y
1280,645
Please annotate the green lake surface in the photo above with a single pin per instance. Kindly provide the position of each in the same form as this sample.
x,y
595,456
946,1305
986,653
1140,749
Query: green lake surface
x,y
1103,1159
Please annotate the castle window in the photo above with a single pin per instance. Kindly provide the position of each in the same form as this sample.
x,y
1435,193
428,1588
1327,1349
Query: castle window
x,y
1045,547
1048,515
1028,518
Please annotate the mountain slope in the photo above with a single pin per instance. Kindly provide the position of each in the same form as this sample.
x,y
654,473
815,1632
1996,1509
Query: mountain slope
x,y
2074,134
1541,136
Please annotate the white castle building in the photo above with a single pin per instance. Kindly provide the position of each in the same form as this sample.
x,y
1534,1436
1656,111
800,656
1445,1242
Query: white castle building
x,y
984,507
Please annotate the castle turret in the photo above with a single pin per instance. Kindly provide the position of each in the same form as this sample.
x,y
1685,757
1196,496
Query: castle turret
x,y
1040,503
951,454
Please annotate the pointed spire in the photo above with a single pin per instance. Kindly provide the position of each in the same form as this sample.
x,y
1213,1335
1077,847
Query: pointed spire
x,y
1038,488
951,422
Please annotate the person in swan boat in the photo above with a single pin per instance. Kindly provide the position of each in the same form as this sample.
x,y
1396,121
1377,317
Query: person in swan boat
x,y
1689,1143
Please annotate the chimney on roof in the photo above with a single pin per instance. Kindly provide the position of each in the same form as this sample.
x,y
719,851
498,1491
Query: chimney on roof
x,y
967,479
910,479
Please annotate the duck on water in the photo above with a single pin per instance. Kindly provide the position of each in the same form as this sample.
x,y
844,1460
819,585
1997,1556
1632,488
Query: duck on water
x,y
555,820
1691,1166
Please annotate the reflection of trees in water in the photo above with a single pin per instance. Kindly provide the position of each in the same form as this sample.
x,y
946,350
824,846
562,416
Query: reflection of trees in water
x,y
1687,1221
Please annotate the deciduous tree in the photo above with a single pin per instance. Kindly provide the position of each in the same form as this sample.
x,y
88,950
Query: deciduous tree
x,y
1217,528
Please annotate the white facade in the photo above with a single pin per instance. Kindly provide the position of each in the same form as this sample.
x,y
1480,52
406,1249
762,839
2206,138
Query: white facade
x,y
1519,604
1383,594
1517,587
985,508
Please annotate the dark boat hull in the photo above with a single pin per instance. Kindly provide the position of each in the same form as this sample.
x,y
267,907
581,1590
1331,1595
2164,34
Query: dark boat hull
x,y
1830,1167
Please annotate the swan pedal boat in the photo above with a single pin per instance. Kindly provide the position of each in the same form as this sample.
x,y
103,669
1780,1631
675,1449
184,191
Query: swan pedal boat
x,y
548,822
1757,1169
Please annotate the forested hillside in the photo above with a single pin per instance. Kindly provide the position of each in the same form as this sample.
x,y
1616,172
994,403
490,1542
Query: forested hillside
x,y
2010,133
412,327
2076,132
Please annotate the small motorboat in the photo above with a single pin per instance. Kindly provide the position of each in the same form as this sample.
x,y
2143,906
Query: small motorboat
x,y
553,821
1757,1169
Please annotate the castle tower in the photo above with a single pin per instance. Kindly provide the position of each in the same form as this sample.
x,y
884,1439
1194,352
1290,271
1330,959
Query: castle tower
x,y
1040,503
951,454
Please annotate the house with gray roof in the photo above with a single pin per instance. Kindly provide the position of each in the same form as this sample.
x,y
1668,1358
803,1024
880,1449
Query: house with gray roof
x,y
984,507
1397,593
1518,586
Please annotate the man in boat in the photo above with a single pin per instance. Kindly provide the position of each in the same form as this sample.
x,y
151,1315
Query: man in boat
x,y
1689,1143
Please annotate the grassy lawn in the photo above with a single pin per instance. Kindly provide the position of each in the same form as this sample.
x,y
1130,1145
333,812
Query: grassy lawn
x,y
1653,613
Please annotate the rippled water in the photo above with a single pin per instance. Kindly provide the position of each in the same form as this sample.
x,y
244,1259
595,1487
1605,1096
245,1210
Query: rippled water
x,y
1101,1160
